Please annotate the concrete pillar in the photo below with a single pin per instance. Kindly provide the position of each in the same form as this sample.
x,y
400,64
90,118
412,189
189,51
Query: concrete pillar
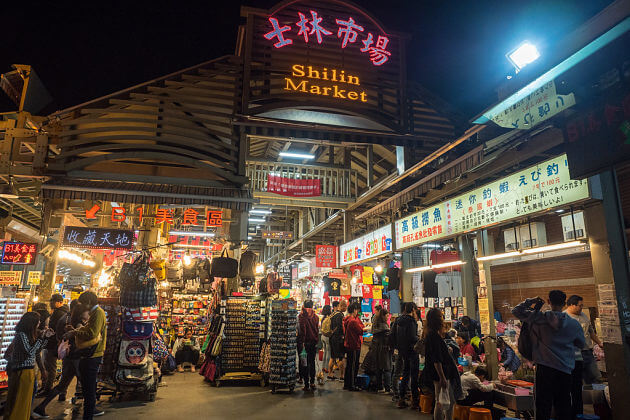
x,y
53,226
609,256
238,228
466,252
406,279
370,166
487,315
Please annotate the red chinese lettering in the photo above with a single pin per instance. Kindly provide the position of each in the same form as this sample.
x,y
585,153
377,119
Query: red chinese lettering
x,y
214,218
190,217
163,215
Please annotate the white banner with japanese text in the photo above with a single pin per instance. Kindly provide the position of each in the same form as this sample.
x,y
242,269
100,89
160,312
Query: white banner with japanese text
x,y
538,188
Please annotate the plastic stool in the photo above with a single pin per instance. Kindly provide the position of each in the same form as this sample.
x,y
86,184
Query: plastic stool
x,y
426,403
476,413
460,412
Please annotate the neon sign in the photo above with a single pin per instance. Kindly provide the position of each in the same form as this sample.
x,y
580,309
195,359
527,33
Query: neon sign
x,y
347,31
19,253
308,74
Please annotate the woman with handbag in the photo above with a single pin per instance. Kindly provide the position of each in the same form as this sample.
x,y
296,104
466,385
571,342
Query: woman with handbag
x,y
70,363
21,363
91,337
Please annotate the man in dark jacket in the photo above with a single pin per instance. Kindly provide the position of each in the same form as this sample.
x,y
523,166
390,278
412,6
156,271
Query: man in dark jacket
x,y
308,336
406,330
59,310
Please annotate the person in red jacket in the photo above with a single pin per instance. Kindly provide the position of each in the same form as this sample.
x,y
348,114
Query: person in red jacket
x,y
308,336
353,330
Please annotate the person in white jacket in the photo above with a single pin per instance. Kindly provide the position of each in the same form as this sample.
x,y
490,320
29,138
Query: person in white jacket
x,y
475,390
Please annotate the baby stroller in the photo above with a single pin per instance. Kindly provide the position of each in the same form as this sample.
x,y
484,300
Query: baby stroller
x,y
135,373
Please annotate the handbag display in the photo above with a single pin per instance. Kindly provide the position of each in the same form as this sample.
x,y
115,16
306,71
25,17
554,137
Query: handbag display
x,y
159,269
138,330
140,298
133,352
134,275
224,266
145,314
247,269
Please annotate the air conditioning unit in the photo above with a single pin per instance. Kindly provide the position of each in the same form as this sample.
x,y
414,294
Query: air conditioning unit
x,y
568,231
525,236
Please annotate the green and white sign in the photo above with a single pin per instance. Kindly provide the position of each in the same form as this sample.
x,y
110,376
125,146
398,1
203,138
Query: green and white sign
x,y
535,189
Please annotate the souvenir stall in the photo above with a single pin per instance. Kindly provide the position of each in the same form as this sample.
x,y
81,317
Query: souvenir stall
x,y
283,345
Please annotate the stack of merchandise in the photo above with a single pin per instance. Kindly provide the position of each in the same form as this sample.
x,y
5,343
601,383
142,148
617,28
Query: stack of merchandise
x,y
253,323
283,344
212,349
189,312
12,310
234,342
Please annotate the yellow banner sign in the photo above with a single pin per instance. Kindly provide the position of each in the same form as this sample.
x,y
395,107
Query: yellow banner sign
x,y
34,277
532,190
10,278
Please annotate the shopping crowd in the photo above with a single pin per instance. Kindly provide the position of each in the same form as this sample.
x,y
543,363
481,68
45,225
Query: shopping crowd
x,y
560,340
76,335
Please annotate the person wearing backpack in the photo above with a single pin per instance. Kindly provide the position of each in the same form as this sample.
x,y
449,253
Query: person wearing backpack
x,y
552,337
406,336
326,331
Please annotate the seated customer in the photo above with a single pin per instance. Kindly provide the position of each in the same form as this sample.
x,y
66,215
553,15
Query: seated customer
x,y
186,349
474,389
465,348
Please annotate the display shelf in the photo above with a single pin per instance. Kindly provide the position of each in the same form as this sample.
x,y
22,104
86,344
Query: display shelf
x,y
283,339
244,331
11,310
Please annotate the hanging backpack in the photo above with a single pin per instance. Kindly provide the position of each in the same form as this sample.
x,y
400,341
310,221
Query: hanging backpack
x,y
525,342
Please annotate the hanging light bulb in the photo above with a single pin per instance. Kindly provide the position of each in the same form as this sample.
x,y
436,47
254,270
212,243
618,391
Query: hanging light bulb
x,y
187,260
104,279
36,299
378,268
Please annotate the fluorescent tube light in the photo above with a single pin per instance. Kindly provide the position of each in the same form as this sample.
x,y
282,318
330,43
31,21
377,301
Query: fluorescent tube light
x,y
297,155
259,211
256,219
499,256
553,247
431,267
188,233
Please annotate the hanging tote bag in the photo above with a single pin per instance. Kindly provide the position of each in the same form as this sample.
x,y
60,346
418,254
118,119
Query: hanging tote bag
x,y
159,269
145,314
224,266
138,330
133,352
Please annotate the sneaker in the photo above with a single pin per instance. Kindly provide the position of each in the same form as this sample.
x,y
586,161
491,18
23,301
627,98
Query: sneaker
x,y
40,413
98,412
192,369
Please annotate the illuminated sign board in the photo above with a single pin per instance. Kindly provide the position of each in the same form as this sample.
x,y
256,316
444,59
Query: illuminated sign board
x,y
367,246
18,253
538,188
322,81
310,27
10,278
97,238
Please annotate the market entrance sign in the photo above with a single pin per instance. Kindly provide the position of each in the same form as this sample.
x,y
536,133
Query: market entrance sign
x,y
97,238
367,246
324,82
310,27
538,188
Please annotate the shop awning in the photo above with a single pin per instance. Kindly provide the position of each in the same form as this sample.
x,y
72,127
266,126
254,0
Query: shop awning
x,y
145,193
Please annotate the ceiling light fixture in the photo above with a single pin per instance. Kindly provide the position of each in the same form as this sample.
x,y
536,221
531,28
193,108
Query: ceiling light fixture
x,y
256,220
259,211
529,251
431,267
190,233
297,155
524,54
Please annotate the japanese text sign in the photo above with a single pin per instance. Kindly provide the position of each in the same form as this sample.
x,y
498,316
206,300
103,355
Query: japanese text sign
x,y
326,256
97,238
368,246
535,108
541,187
10,278
310,27
293,187
18,253
277,234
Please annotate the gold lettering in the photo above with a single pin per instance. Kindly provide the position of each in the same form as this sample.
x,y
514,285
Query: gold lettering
x,y
353,95
363,97
301,86
326,91
298,70
353,80
312,74
315,90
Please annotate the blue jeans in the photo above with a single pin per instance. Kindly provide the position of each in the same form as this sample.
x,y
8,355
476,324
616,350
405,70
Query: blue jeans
x,y
394,301
88,369
590,370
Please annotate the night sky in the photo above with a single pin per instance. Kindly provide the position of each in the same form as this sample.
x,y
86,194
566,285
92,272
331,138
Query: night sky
x,y
82,50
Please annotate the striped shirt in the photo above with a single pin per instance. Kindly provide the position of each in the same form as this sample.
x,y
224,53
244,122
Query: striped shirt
x,y
23,354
